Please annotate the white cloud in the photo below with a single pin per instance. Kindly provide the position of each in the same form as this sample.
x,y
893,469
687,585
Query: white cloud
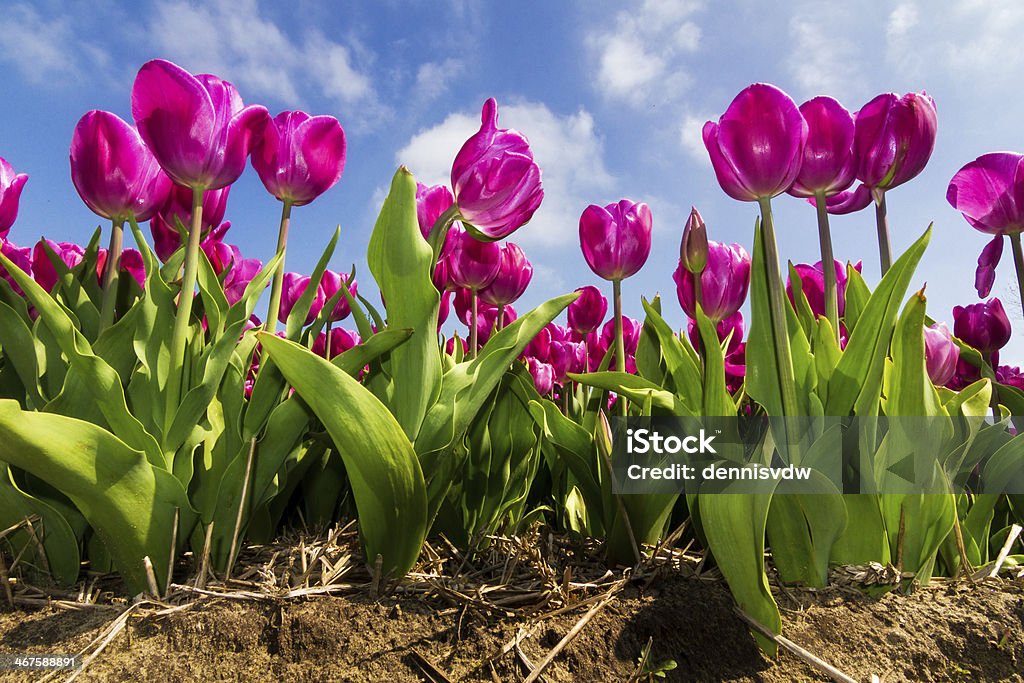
x,y
641,54
824,59
46,50
691,137
232,39
433,79
567,148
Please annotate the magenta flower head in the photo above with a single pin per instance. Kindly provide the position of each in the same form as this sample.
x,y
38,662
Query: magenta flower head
x,y
895,137
630,336
431,202
989,192
241,273
543,375
299,156
21,257
616,239
43,271
114,172
495,179
829,165
941,354
985,274
178,207
330,284
341,341
757,146
514,275
471,263
196,126
983,325
812,280
131,262
294,287
587,312
723,283
11,184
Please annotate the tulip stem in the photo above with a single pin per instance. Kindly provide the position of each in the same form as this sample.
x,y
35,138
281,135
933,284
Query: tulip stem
x,y
777,310
698,304
884,243
275,291
184,314
473,333
327,340
620,345
110,273
1018,263
501,317
828,261
440,230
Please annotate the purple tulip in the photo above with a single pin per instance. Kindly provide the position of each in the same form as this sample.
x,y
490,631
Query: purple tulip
x,y
723,283
849,201
43,270
114,172
295,285
21,257
757,146
471,263
330,284
631,338
197,126
735,353
487,321
829,165
983,325
693,247
941,354
11,184
812,280
989,192
587,312
444,309
495,179
1011,376
449,347
242,271
341,341
178,207
131,262
431,202
895,137
543,375
514,274
985,275
616,239
300,157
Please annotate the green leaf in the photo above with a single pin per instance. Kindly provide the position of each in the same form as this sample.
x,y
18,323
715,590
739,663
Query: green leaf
x,y
19,349
129,502
386,478
401,262
636,389
300,311
857,296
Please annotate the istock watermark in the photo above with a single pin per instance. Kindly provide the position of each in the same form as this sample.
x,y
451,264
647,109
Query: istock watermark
x,y
814,455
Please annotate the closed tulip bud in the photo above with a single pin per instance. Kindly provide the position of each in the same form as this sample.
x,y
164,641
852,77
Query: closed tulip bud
x,y
471,263
894,138
11,184
431,202
983,325
941,354
495,180
330,284
587,312
812,281
829,165
178,208
43,270
114,172
757,146
723,283
693,250
543,375
299,157
616,239
295,285
196,126
514,274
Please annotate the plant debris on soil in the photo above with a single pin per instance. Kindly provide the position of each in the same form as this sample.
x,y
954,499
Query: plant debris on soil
x,y
309,609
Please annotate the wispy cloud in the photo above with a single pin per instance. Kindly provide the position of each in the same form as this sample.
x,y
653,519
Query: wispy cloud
x,y
567,148
643,54
692,139
824,58
234,40
46,50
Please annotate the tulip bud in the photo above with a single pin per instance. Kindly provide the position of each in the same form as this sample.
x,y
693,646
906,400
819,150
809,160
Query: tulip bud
x,y
330,284
693,251
514,275
21,257
543,376
616,239
724,282
829,165
985,275
941,354
431,202
11,184
587,312
471,263
894,138
299,157
983,325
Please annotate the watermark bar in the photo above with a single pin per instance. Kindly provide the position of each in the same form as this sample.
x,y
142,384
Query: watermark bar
x,y
816,455
37,662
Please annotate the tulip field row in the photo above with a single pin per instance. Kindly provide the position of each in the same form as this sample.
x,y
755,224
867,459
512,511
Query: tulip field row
x,y
154,400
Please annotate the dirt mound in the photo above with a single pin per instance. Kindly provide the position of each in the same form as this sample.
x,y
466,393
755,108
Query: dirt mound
x,y
952,632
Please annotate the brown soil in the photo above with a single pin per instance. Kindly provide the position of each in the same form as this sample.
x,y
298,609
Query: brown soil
x,y
953,632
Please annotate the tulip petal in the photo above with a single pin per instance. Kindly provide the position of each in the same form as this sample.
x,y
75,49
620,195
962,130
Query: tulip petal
x,y
985,276
846,202
985,191
829,164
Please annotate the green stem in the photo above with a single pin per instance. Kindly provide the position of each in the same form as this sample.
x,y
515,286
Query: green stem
x,y
698,305
184,314
275,291
620,344
884,243
327,339
110,273
1018,264
777,307
440,230
501,318
827,264
473,333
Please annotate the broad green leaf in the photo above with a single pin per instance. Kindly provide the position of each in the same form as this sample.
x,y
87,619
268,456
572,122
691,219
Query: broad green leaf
x,y
19,349
857,296
636,389
681,360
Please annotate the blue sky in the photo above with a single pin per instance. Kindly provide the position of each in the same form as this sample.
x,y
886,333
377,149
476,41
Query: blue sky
x,y
612,96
